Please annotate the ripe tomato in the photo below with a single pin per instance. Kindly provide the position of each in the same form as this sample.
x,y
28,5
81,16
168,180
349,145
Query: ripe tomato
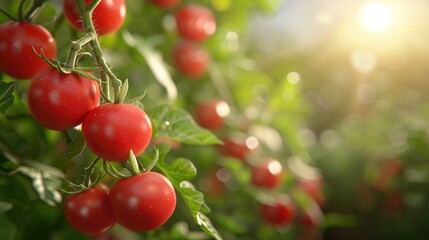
x,y
17,40
143,202
89,212
61,101
239,146
195,22
190,59
281,212
165,3
112,130
267,173
211,114
108,16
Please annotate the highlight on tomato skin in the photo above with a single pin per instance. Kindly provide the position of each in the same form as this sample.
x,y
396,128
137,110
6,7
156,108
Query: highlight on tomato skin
x,y
195,22
108,17
143,202
17,40
113,130
59,101
89,212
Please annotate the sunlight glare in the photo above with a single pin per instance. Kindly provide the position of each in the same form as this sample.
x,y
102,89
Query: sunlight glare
x,y
376,17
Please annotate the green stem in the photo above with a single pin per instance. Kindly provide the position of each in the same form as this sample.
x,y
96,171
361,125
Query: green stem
x,y
20,11
8,15
76,46
34,10
86,12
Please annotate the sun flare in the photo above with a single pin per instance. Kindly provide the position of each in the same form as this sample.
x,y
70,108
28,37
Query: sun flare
x,y
376,17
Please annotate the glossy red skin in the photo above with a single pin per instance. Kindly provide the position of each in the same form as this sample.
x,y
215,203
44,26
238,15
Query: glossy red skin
x,y
235,148
143,202
112,130
89,211
165,3
207,115
108,16
18,58
190,59
61,101
195,23
282,212
263,176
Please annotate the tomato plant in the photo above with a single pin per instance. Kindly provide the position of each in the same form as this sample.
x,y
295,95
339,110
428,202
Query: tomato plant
x,y
143,202
60,101
18,41
108,16
195,22
211,114
89,211
113,130
165,3
190,59
267,173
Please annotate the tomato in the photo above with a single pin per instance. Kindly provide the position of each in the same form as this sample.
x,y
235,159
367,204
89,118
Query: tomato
x,y
195,22
165,3
314,189
143,202
211,114
61,101
108,16
17,40
281,212
190,59
267,173
89,211
239,146
112,130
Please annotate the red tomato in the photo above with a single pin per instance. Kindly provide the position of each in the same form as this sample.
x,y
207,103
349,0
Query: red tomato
x,y
239,147
112,130
211,114
89,212
267,173
61,101
165,3
108,16
282,212
143,202
17,40
190,59
195,22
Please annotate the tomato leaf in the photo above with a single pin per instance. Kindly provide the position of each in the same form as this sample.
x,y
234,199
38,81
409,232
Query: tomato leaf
x,y
8,230
44,183
5,206
75,148
178,125
6,95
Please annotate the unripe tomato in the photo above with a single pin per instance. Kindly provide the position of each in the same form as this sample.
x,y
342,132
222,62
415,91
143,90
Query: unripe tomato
x,y
61,101
108,16
89,211
143,202
281,212
190,59
195,22
164,3
211,114
112,130
17,57
267,173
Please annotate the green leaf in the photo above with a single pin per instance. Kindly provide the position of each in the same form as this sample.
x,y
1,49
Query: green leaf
x,y
75,148
5,206
179,172
178,125
8,230
45,184
6,95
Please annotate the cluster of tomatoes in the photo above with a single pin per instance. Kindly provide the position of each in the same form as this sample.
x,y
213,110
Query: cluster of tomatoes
x,y
266,173
60,99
